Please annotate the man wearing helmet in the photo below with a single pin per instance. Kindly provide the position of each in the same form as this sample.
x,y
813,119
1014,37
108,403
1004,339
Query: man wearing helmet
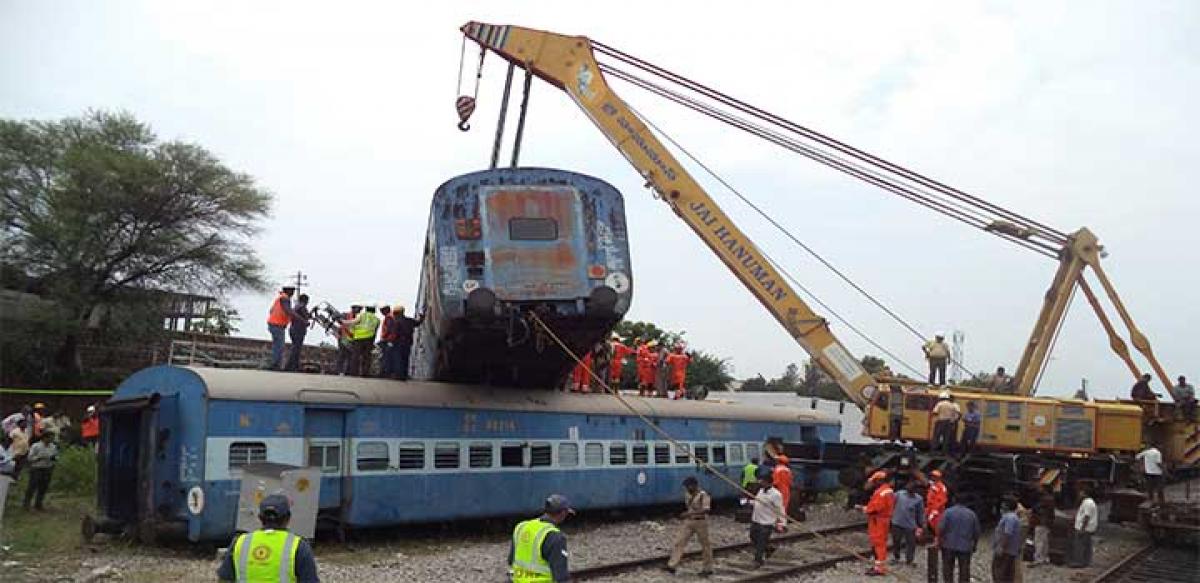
x,y
937,353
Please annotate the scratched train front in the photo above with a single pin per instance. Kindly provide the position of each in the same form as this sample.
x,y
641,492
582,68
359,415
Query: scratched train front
x,y
507,242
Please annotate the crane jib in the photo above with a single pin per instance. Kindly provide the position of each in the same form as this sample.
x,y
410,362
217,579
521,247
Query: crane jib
x,y
739,253
637,138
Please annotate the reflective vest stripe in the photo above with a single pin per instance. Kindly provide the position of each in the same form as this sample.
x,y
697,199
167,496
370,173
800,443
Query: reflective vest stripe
x,y
244,556
368,323
285,559
530,557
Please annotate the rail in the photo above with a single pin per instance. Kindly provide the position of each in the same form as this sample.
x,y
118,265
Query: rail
x,y
660,560
1161,564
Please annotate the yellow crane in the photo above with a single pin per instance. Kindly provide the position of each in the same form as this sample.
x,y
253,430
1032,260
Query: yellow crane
x,y
1012,422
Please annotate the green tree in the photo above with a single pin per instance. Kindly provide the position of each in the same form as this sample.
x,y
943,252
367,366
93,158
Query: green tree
x,y
631,331
218,322
709,371
787,382
756,384
98,208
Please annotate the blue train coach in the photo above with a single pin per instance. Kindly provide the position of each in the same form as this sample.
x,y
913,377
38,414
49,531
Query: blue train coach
x,y
505,242
392,453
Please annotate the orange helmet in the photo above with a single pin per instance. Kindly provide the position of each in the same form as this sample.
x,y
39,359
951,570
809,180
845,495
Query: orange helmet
x,y
936,473
878,476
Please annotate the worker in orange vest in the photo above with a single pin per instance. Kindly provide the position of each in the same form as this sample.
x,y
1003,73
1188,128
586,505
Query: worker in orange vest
x,y
645,368
879,519
280,316
678,361
581,376
781,478
89,428
616,361
935,505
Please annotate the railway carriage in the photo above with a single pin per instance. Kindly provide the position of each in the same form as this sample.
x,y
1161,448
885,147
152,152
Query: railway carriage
x,y
394,453
508,241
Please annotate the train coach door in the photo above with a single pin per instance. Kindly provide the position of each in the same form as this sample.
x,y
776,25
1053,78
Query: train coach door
x,y
535,248
325,441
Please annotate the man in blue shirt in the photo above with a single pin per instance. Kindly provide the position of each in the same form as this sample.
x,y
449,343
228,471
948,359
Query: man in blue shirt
x,y
958,533
908,518
1006,543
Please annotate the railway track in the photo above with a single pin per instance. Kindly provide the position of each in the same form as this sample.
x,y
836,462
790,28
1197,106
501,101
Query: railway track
x,y
1155,564
733,570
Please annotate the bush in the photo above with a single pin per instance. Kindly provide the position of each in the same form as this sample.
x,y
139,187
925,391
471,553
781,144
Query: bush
x,y
75,474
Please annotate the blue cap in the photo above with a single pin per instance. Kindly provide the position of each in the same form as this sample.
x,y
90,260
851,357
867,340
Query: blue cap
x,y
276,504
558,503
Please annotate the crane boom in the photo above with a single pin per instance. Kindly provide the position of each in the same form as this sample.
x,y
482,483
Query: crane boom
x,y
568,63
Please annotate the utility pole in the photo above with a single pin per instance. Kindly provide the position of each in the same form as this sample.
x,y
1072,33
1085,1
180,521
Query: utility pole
x,y
957,350
301,280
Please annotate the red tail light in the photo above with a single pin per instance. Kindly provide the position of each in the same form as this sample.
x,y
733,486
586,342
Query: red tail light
x,y
468,229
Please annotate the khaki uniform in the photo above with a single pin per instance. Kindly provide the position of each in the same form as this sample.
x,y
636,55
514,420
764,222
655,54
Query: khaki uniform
x,y
699,504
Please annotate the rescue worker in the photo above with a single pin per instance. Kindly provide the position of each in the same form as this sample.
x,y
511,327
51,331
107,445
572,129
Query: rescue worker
x,y
539,549
936,496
908,520
1006,543
600,359
678,362
89,428
750,474
297,330
1152,471
695,522
1086,521
362,335
1141,390
1042,521
345,360
43,456
879,519
768,516
616,364
20,446
662,372
972,423
387,340
946,414
781,477
271,553
38,415
278,318
1187,399
937,353
580,374
645,368
895,412
1001,382
402,349
958,533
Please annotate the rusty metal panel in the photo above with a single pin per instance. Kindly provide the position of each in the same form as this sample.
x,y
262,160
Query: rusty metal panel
x,y
531,266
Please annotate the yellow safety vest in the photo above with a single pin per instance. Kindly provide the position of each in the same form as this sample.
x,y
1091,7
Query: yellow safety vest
x,y
368,323
257,557
749,475
528,564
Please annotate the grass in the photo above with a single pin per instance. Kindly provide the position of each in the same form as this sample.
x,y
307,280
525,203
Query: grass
x,y
56,530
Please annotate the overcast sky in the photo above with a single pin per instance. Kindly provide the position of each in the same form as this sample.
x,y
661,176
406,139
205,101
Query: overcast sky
x,y
1079,113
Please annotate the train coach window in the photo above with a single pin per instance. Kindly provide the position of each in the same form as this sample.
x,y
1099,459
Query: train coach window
x,y
532,229
618,454
372,455
752,451
480,455
446,455
593,454
540,455
327,456
411,456
681,453
718,454
246,452
641,454
735,453
512,455
568,455
662,453
702,452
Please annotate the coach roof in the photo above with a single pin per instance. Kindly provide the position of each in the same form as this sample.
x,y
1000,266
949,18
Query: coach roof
x,y
257,385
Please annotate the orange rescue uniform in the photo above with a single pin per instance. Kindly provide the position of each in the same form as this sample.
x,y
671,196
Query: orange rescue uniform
x,y
879,522
678,363
645,366
619,352
278,315
89,428
781,478
935,503
580,377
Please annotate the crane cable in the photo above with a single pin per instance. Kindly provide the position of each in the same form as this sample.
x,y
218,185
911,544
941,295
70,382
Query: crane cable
x,y
812,252
680,446
1035,226
968,215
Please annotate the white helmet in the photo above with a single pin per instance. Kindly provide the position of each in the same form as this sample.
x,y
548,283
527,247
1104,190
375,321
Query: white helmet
x,y
939,334
944,395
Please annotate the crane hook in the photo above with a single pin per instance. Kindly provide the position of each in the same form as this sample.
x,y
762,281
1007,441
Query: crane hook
x,y
466,107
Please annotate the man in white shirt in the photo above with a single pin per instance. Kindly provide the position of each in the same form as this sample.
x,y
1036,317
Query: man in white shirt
x,y
1152,470
1087,518
768,516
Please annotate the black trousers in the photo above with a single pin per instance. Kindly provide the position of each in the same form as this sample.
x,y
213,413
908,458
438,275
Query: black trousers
x,y
1004,568
345,356
362,356
932,562
937,371
949,559
904,541
760,536
400,354
293,359
39,482
943,435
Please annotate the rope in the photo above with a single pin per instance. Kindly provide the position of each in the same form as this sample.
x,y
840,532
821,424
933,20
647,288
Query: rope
x,y
678,446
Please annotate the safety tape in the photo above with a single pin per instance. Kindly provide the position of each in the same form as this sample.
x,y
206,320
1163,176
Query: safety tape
x,y
78,392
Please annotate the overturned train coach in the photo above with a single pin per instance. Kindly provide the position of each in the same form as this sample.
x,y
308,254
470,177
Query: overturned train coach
x,y
506,242
176,440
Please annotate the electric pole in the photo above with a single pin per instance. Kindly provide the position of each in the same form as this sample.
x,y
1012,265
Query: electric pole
x,y
301,280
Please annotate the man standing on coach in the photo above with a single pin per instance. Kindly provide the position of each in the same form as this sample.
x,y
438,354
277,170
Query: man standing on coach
x,y
297,330
277,321
271,553
402,347
539,550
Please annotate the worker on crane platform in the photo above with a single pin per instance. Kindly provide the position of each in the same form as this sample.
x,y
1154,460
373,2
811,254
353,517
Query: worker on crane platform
x,y
1187,399
937,353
